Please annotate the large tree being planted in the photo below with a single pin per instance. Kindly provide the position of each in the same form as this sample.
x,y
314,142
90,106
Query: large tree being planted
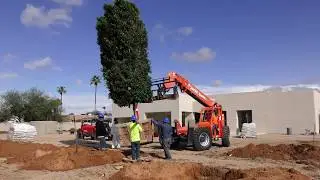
x,y
123,42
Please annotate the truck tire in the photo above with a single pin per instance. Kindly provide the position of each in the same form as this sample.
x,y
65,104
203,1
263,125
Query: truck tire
x,y
201,139
225,137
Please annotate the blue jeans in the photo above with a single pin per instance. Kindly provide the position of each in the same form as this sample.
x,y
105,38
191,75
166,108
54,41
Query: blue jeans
x,y
135,148
166,147
103,143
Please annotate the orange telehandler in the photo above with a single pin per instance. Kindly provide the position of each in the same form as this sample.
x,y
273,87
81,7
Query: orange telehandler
x,y
211,125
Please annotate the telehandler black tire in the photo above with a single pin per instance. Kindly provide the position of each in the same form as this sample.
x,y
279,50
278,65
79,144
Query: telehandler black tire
x,y
225,138
202,139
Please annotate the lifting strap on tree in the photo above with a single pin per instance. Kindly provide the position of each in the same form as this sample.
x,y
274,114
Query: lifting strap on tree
x,y
136,113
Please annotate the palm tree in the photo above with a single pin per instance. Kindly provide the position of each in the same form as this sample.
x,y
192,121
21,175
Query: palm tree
x,y
95,80
61,90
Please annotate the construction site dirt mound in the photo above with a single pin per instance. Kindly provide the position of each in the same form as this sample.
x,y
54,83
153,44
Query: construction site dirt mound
x,y
174,170
20,152
278,152
49,157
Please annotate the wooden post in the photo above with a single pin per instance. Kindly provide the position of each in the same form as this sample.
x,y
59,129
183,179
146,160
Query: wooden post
x,y
77,141
314,132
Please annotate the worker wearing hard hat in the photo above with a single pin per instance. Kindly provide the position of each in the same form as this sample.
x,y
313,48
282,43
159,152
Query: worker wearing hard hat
x,y
101,131
135,136
165,135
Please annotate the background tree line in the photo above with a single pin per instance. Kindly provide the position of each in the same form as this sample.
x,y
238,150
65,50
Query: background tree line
x,y
30,105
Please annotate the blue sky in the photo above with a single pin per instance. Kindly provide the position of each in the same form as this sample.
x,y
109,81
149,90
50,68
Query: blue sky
x,y
241,45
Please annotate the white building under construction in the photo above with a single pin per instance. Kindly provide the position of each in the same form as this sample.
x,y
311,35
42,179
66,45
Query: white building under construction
x,y
272,111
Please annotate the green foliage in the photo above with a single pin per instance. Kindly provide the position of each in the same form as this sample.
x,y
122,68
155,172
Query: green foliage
x,y
123,42
30,105
12,103
95,80
61,90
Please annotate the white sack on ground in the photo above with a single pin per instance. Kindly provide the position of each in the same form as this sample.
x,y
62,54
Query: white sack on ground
x,y
21,132
249,130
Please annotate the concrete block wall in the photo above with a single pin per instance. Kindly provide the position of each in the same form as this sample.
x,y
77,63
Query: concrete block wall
x,y
45,127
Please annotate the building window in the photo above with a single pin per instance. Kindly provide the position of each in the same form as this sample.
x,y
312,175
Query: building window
x,y
244,116
196,116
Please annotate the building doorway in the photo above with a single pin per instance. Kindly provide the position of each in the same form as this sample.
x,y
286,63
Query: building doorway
x,y
244,116
319,123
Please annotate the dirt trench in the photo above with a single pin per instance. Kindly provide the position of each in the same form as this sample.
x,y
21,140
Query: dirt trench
x,y
158,170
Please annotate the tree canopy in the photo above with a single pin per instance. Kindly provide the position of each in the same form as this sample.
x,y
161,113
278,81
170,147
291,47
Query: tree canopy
x,y
95,80
30,105
123,42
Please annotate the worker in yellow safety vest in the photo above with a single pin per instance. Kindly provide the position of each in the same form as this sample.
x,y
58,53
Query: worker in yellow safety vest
x,y
135,130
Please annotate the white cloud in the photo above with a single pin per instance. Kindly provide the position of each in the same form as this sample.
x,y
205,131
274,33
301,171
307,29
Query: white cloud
x,y
56,68
203,54
186,31
41,63
8,75
69,2
163,33
85,103
8,57
43,18
79,81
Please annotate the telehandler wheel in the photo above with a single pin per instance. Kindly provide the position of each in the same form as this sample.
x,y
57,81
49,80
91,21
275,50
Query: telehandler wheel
x,y
226,135
201,139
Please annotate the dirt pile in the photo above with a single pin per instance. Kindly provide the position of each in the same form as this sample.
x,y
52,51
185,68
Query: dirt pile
x,y
23,152
49,157
174,170
279,152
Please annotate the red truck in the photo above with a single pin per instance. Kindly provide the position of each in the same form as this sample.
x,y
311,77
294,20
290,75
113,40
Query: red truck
x,y
88,129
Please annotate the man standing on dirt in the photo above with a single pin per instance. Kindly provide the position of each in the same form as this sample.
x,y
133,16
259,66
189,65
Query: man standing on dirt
x,y
101,131
135,133
115,134
165,135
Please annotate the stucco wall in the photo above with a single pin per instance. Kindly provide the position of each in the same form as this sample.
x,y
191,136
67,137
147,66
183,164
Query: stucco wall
x,y
157,106
272,111
316,95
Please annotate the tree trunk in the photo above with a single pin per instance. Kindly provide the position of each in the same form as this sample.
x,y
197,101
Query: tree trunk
x,y
61,103
135,106
95,99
